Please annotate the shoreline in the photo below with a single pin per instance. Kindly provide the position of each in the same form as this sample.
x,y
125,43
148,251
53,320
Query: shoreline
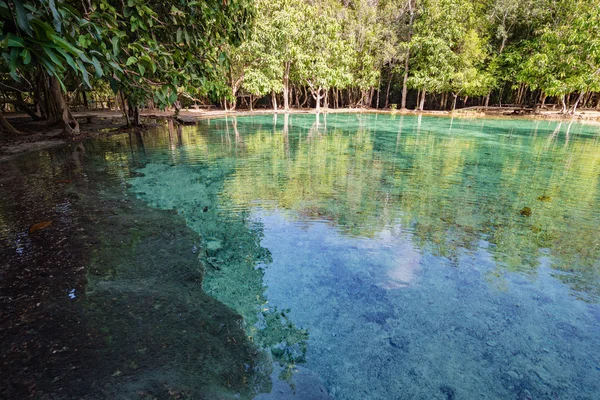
x,y
108,123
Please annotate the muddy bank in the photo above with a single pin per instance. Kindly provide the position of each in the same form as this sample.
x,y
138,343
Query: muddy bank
x,y
106,301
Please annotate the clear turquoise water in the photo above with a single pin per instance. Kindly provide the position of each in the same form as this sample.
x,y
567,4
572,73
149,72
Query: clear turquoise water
x,y
396,257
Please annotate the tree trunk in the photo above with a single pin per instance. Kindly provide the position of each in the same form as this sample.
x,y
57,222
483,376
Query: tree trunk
x,y
543,100
274,100
286,86
85,100
577,102
586,99
317,96
378,93
387,90
69,123
22,106
454,101
136,116
422,103
405,79
305,97
318,100
564,104
125,113
487,99
6,129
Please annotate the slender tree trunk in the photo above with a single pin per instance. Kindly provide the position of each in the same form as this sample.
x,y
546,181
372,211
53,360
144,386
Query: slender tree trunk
x,y
136,116
85,100
406,61
125,113
378,95
405,82
577,102
69,123
387,90
286,86
454,101
305,96
274,100
6,128
318,100
586,99
422,103
563,104
418,99
487,99
543,100
598,102
24,107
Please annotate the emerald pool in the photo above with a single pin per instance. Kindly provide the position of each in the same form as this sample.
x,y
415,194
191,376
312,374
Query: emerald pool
x,y
380,256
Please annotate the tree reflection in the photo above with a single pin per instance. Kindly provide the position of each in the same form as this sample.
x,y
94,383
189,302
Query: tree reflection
x,y
453,182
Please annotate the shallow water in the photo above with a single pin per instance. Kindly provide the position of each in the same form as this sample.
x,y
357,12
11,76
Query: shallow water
x,y
390,257
400,257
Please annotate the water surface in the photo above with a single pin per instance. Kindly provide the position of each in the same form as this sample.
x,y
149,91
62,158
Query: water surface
x,y
398,257
370,257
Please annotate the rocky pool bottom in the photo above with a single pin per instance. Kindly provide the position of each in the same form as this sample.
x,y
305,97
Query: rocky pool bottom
x,y
106,301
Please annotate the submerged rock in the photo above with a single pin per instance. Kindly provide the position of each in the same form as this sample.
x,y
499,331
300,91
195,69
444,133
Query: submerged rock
x,y
214,245
526,212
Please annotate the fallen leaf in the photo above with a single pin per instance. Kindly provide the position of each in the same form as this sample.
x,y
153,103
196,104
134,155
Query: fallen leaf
x,y
39,225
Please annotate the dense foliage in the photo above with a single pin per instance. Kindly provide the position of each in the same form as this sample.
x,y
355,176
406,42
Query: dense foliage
x,y
147,51
365,53
376,52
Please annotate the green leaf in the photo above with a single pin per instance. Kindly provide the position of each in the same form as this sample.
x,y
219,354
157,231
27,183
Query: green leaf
x,y
52,55
15,41
131,60
14,52
115,45
173,97
55,15
26,55
70,61
97,67
85,74
142,69
22,20
115,66
65,45
114,85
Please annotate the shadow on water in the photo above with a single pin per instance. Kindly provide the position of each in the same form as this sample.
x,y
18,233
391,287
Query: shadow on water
x,y
106,301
